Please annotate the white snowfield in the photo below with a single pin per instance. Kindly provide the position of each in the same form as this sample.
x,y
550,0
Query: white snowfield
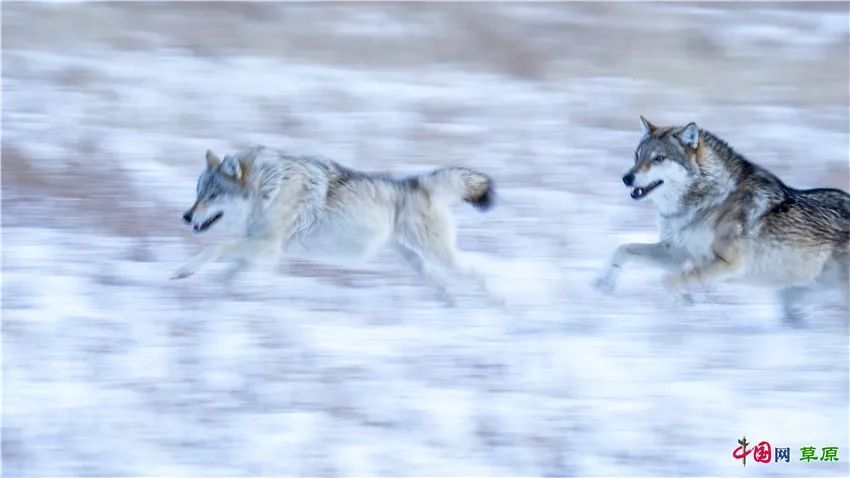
x,y
317,369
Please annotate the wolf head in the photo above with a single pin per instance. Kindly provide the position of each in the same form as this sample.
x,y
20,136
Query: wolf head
x,y
222,199
665,163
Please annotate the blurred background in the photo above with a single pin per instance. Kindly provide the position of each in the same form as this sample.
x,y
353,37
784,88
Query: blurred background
x,y
322,370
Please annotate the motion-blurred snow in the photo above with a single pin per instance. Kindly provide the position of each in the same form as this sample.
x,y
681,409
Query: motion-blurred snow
x,y
316,369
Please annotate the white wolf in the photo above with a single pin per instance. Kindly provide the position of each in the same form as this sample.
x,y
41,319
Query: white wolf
x,y
262,202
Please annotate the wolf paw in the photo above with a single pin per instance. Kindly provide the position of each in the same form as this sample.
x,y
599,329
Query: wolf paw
x,y
793,320
680,299
605,283
181,274
675,288
683,300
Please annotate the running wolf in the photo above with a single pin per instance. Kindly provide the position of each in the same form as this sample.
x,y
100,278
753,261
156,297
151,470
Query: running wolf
x,y
722,217
259,203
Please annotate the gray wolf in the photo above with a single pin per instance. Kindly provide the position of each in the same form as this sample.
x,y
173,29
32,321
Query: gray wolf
x,y
722,217
259,203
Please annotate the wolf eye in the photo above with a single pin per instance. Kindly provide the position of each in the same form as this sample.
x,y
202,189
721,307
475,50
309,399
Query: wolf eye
x,y
659,158
213,196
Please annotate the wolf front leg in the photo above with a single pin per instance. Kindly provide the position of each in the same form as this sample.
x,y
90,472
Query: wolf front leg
x,y
722,267
245,253
261,252
792,298
657,254
208,254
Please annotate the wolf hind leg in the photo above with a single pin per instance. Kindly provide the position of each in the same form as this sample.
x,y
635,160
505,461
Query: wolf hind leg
x,y
432,237
441,251
427,272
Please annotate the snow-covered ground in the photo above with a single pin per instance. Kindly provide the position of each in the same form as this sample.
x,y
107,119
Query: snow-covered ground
x,y
109,369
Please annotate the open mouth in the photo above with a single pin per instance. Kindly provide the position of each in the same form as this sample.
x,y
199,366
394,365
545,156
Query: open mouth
x,y
209,222
640,193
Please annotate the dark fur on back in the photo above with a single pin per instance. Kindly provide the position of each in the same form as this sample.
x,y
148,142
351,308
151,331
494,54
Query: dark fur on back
x,y
803,217
473,187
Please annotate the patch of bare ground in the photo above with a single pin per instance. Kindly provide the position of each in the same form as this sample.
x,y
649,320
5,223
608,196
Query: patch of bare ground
x,y
682,45
98,199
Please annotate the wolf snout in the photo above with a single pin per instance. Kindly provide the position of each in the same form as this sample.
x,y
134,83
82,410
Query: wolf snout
x,y
187,217
629,179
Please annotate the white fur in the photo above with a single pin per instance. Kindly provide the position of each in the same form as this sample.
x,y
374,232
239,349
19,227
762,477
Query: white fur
x,y
314,208
666,196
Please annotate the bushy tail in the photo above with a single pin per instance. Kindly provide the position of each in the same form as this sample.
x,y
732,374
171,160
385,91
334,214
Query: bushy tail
x,y
451,184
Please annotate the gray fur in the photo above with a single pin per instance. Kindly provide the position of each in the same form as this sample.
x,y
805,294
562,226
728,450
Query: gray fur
x,y
722,217
261,202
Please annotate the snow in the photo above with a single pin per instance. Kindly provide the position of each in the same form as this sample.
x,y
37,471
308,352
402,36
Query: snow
x,y
312,369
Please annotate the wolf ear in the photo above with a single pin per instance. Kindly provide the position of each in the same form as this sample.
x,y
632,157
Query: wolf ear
x,y
690,135
212,160
646,126
231,167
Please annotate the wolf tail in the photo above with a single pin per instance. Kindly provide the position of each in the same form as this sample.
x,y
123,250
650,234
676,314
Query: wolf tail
x,y
450,184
